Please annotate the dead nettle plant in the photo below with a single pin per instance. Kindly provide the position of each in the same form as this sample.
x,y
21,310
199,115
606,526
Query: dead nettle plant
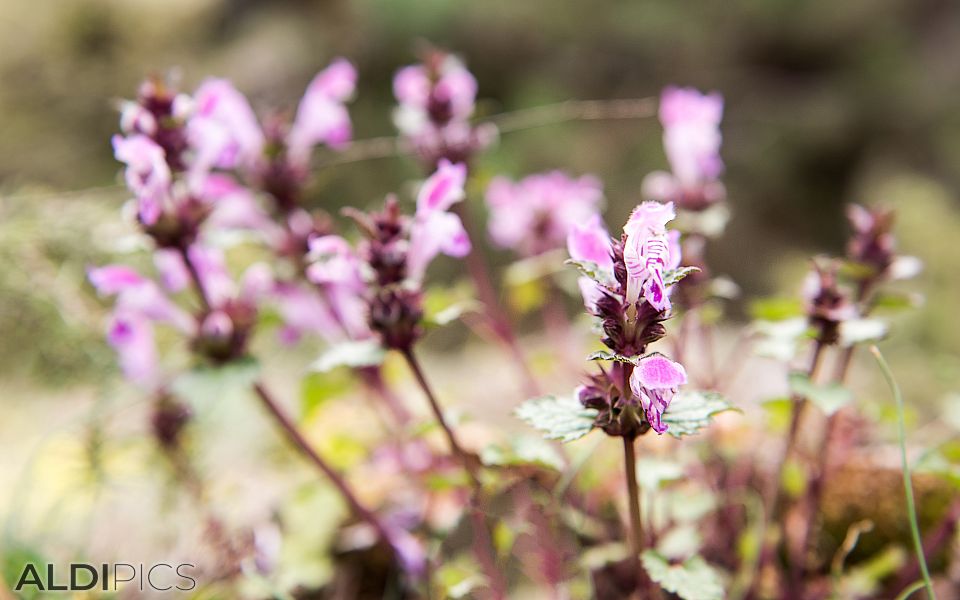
x,y
210,175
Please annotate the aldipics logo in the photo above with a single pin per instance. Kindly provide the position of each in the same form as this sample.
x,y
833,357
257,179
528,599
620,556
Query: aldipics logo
x,y
160,577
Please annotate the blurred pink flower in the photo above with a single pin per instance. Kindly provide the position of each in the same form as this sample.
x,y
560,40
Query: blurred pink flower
x,y
223,130
589,241
434,230
321,116
691,140
535,214
147,174
654,382
131,336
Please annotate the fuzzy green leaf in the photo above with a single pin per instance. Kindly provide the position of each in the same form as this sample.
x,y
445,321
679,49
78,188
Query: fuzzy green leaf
x,y
675,275
691,411
605,355
693,579
558,418
591,270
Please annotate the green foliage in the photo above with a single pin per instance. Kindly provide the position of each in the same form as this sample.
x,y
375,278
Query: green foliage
x,y
776,309
607,355
829,397
690,411
862,331
204,384
591,270
676,275
693,579
317,388
354,354
523,451
558,417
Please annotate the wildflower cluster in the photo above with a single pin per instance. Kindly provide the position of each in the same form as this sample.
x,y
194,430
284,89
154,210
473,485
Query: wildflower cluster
x,y
435,102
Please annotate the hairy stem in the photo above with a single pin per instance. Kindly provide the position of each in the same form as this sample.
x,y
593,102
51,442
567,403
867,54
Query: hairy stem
x,y
633,497
905,465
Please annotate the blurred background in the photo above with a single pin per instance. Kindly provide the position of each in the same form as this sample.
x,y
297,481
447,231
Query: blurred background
x,y
826,103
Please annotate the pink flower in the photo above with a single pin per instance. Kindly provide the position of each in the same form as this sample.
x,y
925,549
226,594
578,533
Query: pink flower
x,y
434,230
589,242
691,136
646,253
450,93
131,335
337,271
443,189
138,295
321,116
654,382
536,213
147,174
223,129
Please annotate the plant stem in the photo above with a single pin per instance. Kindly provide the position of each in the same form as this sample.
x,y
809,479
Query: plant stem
x,y
482,539
455,448
499,321
195,276
633,498
907,482
296,437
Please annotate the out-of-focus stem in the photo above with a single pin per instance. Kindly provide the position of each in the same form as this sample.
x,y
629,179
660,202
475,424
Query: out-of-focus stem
x,y
905,465
497,317
297,439
195,276
455,448
482,540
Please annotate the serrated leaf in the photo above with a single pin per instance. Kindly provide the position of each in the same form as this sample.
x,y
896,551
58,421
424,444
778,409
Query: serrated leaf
x,y
862,331
594,272
829,397
691,410
354,354
693,579
606,355
675,275
558,418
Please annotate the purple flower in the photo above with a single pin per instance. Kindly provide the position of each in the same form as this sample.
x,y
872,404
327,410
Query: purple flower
x,y
646,253
536,213
589,241
147,174
223,130
338,272
435,102
654,382
321,116
691,139
434,230
131,336
138,295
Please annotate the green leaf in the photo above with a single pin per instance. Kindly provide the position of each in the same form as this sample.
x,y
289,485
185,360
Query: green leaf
x,y
690,411
354,354
897,301
862,331
559,418
776,309
451,313
521,451
653,471
591,270
317,388
779,339
605,355
693,579
829,397
675,275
